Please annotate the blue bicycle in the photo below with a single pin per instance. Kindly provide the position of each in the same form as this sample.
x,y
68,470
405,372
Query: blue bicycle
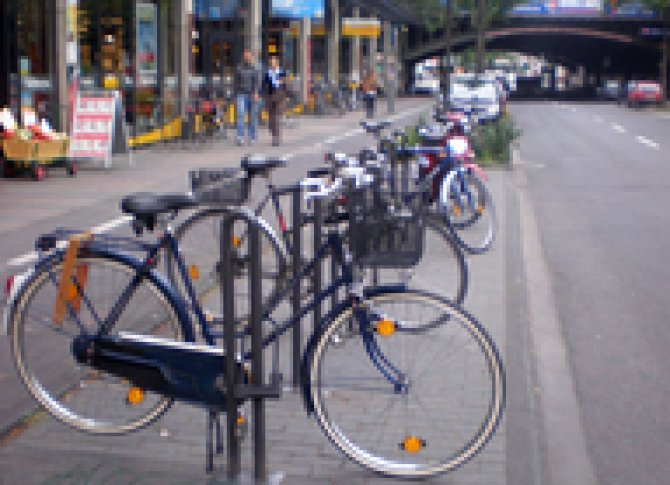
x,y
403,382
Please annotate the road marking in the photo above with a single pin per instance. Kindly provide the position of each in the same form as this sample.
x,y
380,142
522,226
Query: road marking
x,y
573,109
31,257
567,454
599,119
646,141
618,128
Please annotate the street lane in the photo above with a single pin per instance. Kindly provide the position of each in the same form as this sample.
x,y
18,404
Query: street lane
x,y
601,199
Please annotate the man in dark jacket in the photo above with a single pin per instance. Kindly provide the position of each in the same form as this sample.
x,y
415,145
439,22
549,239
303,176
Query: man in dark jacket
x,y
247,88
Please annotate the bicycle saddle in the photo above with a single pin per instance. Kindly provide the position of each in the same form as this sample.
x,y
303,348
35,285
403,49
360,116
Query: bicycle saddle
x,y
260,164
145,204
375,126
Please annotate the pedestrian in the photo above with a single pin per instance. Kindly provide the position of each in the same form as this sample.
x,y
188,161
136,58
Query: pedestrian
x,y
369,88
274,85
247,89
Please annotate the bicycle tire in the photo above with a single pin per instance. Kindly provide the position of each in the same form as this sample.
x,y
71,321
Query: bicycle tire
x,y
198,237
394,432
84,398
473,224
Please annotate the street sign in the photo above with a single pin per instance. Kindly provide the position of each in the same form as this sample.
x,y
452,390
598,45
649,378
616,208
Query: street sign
x,y
361,27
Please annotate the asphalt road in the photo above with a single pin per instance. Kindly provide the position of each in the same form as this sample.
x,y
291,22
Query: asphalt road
x,y
598,177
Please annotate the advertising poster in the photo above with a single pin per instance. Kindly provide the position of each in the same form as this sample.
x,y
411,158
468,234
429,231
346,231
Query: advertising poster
x,y
93,127
146,44
216,9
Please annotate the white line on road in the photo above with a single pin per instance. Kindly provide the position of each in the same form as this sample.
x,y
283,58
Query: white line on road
x,y
598,119
618,128
646,141
573,109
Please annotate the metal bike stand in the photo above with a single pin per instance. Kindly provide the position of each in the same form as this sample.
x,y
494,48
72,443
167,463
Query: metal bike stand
x,y
256,296
228,302
316,277
296,230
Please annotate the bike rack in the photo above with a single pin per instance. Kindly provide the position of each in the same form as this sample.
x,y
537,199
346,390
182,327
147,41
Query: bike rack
x,y
255,390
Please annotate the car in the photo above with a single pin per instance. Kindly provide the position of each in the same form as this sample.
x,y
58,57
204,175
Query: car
x,y
481,96
610,90
643,93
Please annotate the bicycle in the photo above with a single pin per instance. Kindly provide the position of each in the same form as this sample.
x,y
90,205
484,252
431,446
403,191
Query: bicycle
x,y
374,367
198,237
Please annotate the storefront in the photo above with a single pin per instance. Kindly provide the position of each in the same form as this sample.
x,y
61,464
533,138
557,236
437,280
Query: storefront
x,y
129,46
27,57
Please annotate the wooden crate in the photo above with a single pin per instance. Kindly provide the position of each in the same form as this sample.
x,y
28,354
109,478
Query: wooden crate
x,y
48,150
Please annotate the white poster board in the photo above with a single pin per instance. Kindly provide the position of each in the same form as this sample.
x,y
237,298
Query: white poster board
x,y
93,126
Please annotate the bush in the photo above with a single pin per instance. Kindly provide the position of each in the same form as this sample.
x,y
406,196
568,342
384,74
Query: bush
x,y
492,141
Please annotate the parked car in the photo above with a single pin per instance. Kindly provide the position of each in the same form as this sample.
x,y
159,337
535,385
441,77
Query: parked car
x,y
643,93
610,90
483,97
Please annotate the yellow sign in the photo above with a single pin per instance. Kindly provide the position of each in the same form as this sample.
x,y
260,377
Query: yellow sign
x,y
356,27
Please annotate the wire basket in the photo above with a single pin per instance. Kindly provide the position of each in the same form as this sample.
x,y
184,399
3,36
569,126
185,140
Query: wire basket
x,y
220,186
384,233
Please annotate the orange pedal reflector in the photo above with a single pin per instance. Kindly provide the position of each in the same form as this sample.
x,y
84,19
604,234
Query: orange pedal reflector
x,y
135,396
412,444
241,419
456,210
237,241
385,327
194,271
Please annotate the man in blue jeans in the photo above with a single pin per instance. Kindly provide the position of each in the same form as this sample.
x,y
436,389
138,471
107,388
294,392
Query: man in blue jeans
x,y
247,89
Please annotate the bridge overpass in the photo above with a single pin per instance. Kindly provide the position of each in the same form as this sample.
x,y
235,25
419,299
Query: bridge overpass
x,y
600,44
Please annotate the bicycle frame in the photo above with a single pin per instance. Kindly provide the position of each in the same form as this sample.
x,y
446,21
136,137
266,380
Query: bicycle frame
x,y
333,243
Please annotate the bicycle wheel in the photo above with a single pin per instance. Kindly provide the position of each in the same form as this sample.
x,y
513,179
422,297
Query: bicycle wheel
x,y
199,245
442,269
445,403
88,399
469,211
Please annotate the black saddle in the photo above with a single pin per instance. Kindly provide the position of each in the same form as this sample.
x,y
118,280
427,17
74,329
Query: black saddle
x,y
145,206
260,164
375,126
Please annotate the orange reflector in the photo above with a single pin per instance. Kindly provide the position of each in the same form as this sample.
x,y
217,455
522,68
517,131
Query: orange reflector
x,y
241,420
412,444
236,241
385,328
480,209
456,210
135,396
194,271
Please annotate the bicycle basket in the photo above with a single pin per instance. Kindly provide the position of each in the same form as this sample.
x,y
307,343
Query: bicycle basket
x,y
226,186
382,232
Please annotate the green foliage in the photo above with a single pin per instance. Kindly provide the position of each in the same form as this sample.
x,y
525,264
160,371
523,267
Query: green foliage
x,y
492,141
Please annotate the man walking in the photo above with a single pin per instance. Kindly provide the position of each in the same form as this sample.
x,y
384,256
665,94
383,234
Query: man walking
x,y
275,87
247,89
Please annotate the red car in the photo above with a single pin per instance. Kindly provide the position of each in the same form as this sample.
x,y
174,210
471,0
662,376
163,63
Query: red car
x,y
641,93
